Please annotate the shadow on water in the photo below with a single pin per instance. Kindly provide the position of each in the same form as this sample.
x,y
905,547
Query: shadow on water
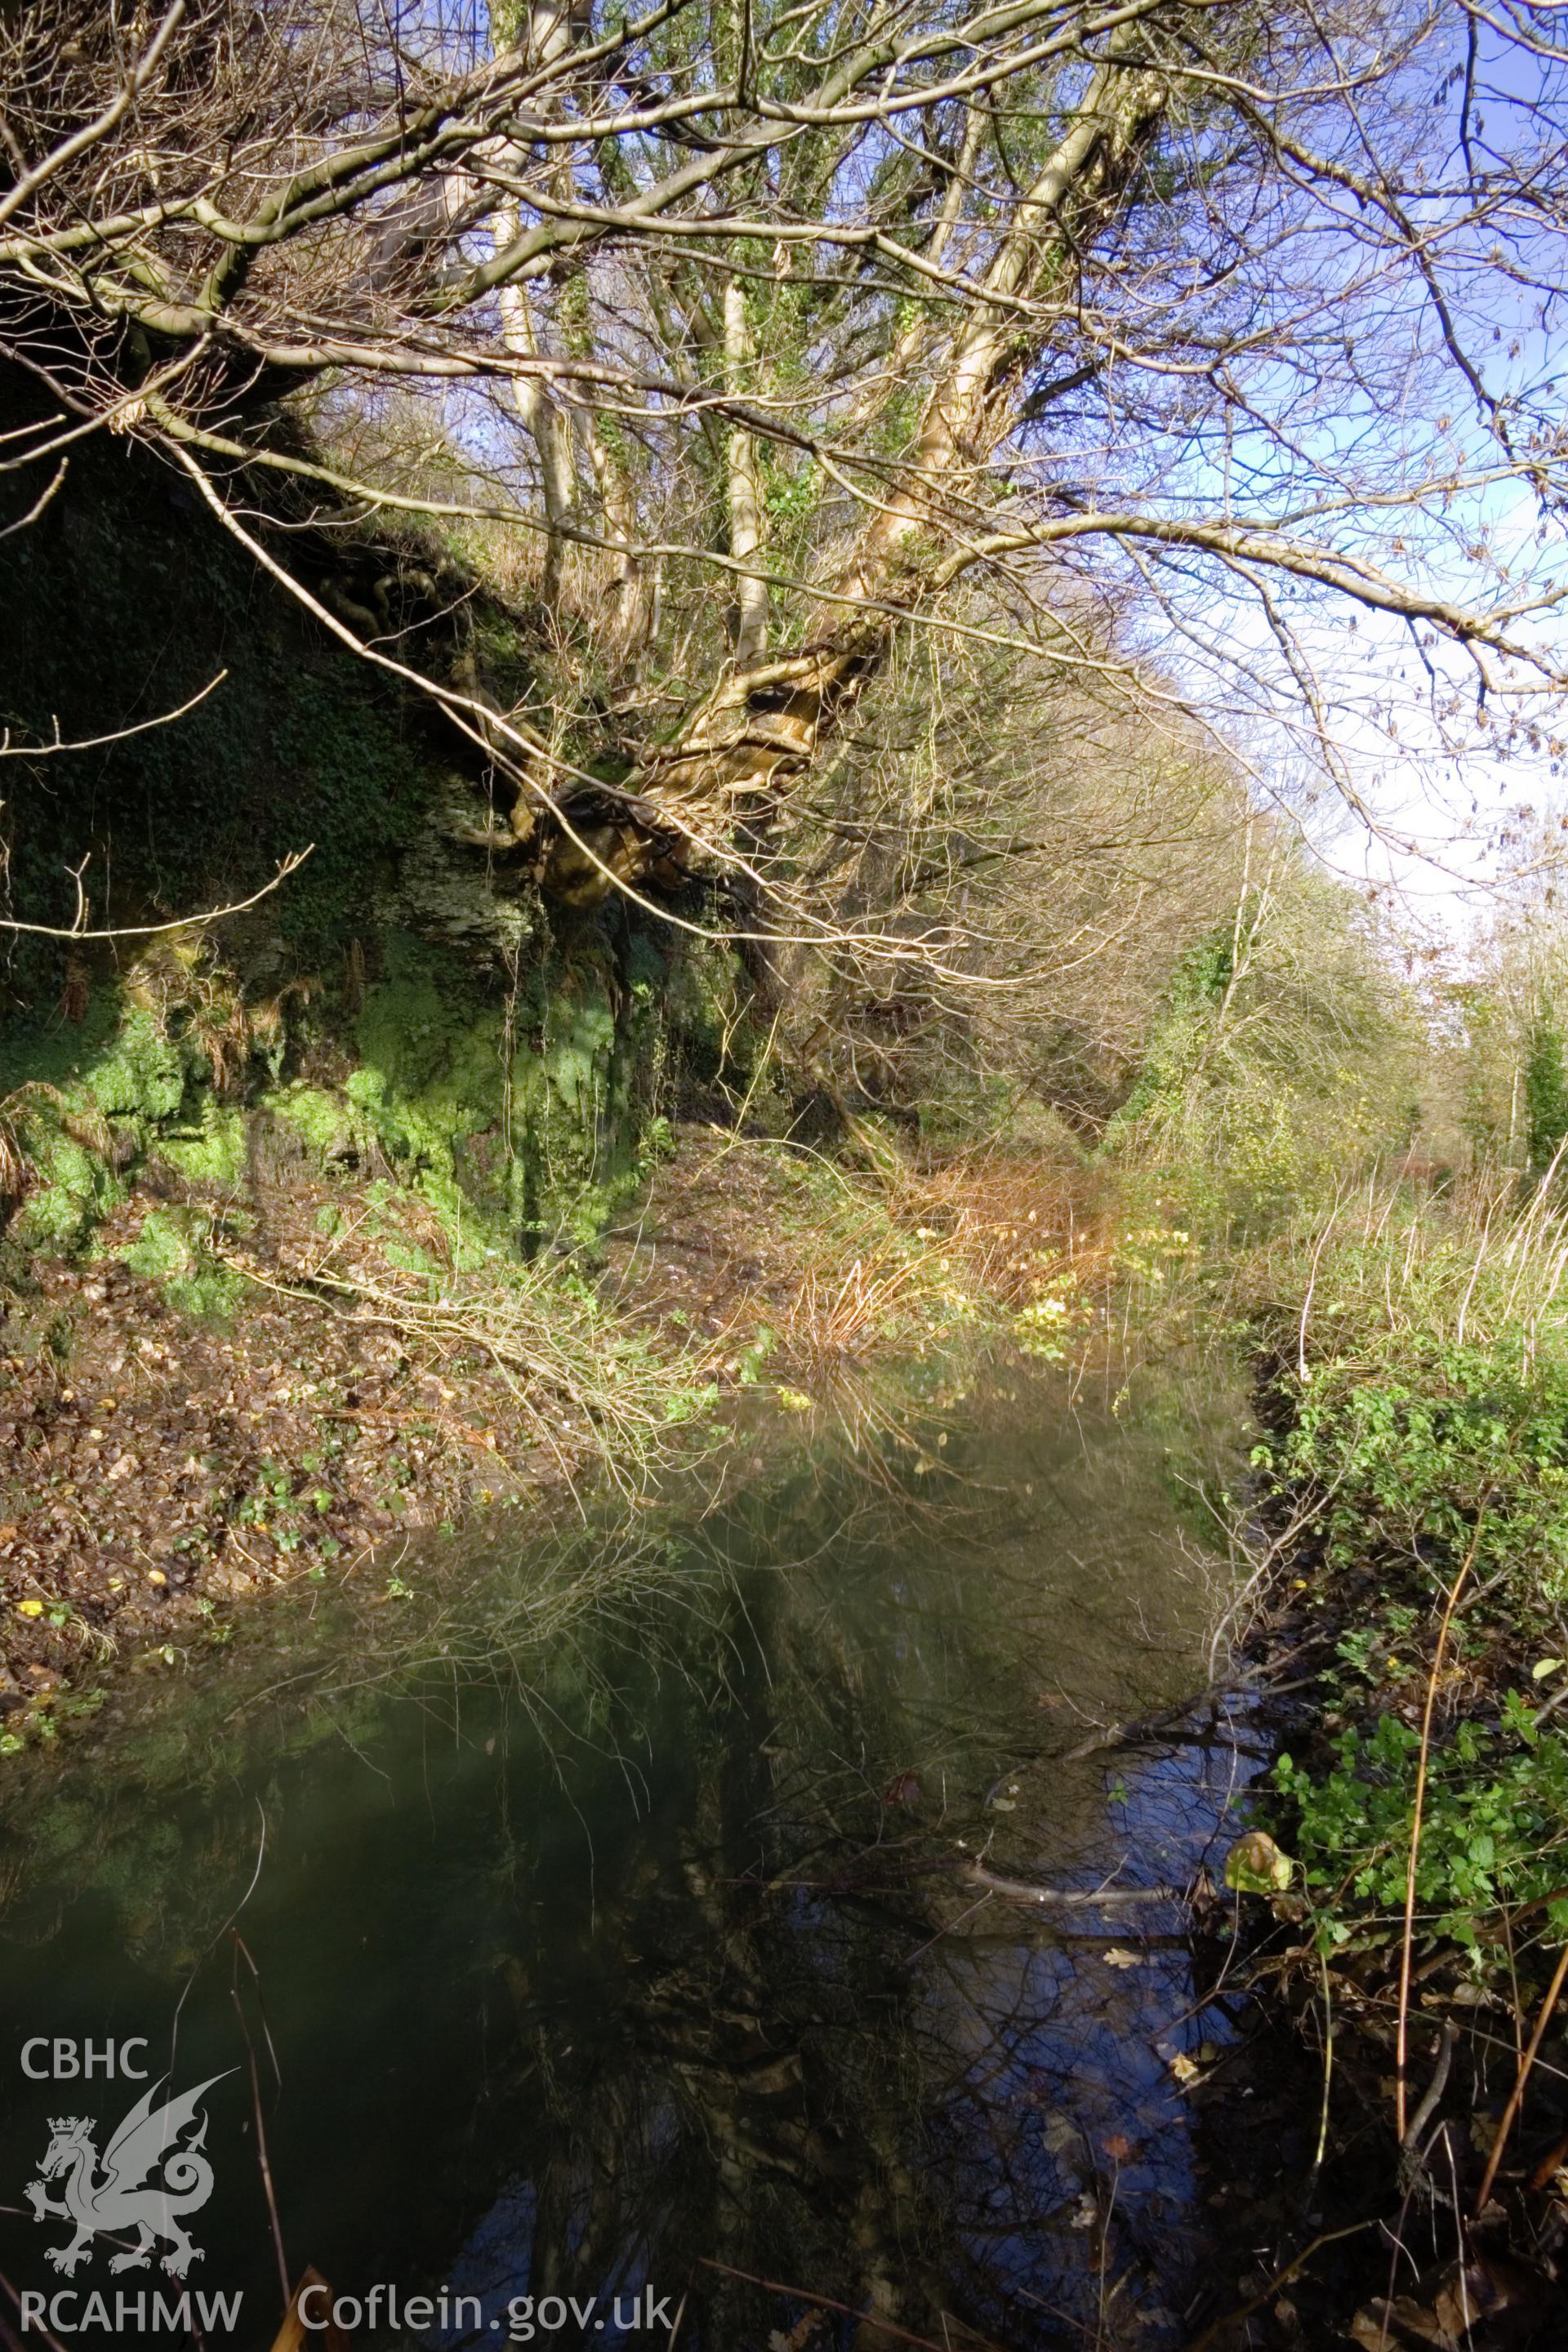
x,y
610,1920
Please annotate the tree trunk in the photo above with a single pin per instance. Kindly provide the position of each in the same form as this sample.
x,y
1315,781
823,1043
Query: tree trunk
x,y
763,725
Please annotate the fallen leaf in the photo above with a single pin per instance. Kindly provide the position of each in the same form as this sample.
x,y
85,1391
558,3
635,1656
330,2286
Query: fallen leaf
x,y
1255,1865
799,2336
1119,1958
1382,2327
1488,2286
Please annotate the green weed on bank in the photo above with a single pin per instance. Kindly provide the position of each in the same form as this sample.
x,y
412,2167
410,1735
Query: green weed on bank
x,y
1418,1443
1413,1452
1494,1834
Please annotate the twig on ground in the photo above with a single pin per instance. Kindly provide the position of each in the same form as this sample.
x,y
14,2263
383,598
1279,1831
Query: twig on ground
x,y
1216,2327
1516,2096
1060,1898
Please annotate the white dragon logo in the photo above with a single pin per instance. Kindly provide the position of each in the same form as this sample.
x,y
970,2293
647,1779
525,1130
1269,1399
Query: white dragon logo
x,y
121,2197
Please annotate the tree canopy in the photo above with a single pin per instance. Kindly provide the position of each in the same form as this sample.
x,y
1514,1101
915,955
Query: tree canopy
x,y
1198,354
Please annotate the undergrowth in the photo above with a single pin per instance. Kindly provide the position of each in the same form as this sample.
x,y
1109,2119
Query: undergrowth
x,y
1415,1482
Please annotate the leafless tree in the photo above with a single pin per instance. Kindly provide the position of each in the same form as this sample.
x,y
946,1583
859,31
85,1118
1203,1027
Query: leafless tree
x,y
1181,347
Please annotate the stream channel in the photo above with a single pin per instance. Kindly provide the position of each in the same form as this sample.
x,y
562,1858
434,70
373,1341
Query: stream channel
x,y
587,1916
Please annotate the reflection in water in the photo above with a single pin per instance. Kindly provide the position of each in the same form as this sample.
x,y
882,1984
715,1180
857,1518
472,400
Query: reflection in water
x,y
656,1959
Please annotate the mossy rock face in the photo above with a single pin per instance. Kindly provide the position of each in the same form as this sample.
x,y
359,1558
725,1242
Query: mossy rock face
x,y
397,1006
84,1099
209,1147
519,1111
124,601
522,1108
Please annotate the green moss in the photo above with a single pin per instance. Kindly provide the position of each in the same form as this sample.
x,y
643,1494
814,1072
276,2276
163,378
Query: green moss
x,y
66,1082
50,1052
138,1072
73,1190
161,1249
169,1251
517,1111
432,1074
324,1119
210,1149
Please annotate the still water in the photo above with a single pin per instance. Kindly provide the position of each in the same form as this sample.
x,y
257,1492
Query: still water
x,y
580,1923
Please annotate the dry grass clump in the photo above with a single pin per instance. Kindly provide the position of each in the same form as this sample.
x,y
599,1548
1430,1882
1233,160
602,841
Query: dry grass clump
x,y
190,993
21,1109
1478,1266
835,1315
575,1371
1015,1224
840,1267
14,1171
